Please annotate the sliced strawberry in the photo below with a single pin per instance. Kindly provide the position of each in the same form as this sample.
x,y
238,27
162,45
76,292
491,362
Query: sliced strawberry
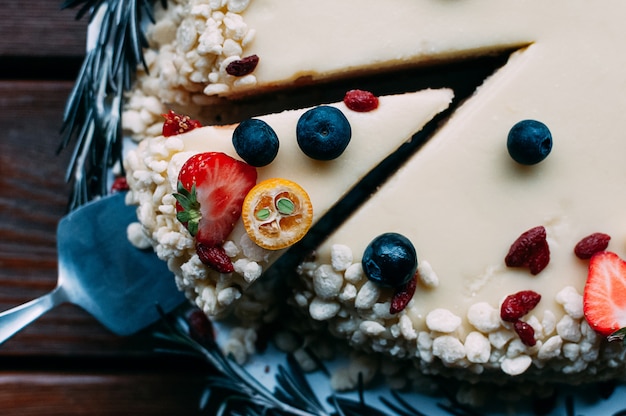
x,y
604,297
211,190
177,123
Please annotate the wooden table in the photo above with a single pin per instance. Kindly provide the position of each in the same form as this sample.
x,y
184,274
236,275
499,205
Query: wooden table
x,y
65,363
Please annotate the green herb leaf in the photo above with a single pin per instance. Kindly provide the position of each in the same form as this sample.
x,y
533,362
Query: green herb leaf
x,y
92,119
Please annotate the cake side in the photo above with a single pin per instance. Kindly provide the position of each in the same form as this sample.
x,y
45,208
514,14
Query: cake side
x,y
462,201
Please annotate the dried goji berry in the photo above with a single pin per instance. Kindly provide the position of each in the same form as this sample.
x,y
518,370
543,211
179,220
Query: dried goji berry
x,y
530,250
518,304
215,257
591,245
243,66
361,101
403,296
525,332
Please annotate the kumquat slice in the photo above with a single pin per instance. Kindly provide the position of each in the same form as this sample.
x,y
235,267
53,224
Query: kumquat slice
x,y
277,213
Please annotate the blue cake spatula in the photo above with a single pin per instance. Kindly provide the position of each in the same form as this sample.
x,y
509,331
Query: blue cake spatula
x,y
102,272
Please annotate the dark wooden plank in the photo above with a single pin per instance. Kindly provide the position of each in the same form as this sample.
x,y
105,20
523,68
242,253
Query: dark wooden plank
x,y
33,197
82,393
40,28
33,192
65,363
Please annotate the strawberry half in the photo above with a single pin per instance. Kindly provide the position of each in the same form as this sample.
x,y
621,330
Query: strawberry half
x,y
211,190
604,297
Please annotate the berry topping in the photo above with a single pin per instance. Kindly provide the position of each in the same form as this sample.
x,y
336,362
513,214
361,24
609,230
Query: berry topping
x,y
403,296
390,260
243,66
518,304
591,245
525,332
529,142
361,101
530,250
604,296
255,142
215,257
200,327
323,133
119,184
176,124
277,213
211,190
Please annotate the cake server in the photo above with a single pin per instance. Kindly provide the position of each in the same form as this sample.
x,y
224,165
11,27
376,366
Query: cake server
x,y
102,272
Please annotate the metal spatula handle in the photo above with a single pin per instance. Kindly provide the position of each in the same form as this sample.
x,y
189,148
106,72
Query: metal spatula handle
x,y
15,319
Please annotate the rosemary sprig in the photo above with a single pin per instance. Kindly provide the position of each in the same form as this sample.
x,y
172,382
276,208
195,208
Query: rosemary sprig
x,y
92,119
237,392
246,394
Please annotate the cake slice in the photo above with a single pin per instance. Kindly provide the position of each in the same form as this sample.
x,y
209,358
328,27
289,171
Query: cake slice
x,y
203,55
488,223
153,175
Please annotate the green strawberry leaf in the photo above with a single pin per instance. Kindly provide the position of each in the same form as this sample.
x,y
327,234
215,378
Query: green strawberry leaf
x,y
190,216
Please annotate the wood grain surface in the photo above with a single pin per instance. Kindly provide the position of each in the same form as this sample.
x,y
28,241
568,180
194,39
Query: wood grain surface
x,y
65,363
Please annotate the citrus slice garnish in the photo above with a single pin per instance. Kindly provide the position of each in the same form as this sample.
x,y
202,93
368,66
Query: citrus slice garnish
x,y
277,213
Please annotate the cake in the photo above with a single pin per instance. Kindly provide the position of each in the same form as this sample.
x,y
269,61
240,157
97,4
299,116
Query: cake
x,y
510,264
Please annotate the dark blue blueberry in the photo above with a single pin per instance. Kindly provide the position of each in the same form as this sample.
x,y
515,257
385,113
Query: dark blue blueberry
x,y
323,133
390,260
255,142
529,142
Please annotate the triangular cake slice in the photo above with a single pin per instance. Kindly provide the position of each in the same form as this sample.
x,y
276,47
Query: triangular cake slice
x,y
486,227
153,169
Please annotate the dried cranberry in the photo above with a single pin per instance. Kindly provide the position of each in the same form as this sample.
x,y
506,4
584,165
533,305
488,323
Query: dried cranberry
x,y
119,185
215,257
525,332
200,327
530,250
361,101
591,245
518,304
403,296
243,66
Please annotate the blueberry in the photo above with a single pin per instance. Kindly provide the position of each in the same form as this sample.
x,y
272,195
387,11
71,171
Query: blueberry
x,y
323,133
255,142
529,142
390,260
